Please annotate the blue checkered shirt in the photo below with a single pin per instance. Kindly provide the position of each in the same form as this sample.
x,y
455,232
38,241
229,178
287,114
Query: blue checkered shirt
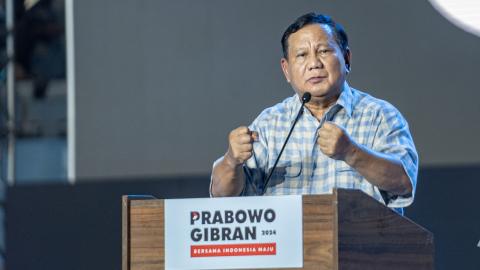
x,y
304,169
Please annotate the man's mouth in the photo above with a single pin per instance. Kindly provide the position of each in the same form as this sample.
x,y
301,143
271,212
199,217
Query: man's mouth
x,y
316,79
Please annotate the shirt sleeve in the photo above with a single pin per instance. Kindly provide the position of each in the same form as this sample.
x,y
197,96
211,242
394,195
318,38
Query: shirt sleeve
x,y
393,138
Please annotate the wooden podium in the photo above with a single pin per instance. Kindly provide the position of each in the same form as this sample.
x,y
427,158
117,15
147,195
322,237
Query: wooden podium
x,y
344,230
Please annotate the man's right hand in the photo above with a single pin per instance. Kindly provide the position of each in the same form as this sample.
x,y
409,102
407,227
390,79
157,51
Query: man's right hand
x,y
228,178
240,145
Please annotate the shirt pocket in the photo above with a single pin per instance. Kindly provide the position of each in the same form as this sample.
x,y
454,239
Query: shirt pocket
x,y
288,168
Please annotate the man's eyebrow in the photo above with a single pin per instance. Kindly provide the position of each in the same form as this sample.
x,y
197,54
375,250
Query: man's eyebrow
x,y
326,44
299,49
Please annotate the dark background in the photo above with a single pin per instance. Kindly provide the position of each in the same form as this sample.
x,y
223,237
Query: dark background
x,y
79,227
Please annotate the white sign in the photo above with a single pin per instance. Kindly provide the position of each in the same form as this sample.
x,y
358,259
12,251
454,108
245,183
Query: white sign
x,y
234,233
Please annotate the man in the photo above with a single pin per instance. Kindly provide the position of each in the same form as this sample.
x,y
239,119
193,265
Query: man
x,y
345,138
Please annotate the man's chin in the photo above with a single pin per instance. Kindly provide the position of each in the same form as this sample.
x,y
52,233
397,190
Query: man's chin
x,y
319,93
322,96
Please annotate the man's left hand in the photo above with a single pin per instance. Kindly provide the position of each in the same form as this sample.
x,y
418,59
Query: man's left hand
x,y
334,141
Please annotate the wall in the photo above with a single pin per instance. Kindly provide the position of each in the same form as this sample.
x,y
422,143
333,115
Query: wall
x,y
159,84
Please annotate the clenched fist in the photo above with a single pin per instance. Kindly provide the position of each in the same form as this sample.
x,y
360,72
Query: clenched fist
x,y
240,145
334,141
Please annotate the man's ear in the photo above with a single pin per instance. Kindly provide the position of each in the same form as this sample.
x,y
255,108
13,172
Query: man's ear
x,y
284,64
348,58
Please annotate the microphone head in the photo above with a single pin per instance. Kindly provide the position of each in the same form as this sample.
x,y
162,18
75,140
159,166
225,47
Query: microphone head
x,y
306,97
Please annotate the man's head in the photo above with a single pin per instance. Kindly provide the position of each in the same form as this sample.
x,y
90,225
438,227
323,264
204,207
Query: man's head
x,y
316,56
314,18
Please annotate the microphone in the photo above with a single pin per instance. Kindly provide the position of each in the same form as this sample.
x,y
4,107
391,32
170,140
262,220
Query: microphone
x,y
305,99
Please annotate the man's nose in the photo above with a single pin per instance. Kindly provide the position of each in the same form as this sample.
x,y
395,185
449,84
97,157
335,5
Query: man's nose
x,y
314,62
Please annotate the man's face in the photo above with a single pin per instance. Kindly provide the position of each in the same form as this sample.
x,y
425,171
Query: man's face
x,y
315,62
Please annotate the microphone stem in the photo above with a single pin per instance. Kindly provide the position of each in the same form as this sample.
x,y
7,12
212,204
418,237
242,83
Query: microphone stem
x,y
300,112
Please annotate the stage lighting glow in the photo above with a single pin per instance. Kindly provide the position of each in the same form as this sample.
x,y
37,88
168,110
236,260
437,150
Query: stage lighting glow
x,y
463,13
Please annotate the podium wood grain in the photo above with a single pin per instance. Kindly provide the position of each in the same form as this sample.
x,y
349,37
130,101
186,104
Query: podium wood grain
x,y
143,242
372,236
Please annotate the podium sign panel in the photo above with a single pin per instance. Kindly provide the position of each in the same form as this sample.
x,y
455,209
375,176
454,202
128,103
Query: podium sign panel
x,y
234,233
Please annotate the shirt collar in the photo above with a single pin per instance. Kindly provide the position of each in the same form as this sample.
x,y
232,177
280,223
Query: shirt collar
x,y
346,99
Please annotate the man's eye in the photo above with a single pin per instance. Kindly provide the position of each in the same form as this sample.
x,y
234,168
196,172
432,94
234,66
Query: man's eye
x,y
324,51
301,55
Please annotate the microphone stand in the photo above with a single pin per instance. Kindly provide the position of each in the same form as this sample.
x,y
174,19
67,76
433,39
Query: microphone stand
x,y
305,99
